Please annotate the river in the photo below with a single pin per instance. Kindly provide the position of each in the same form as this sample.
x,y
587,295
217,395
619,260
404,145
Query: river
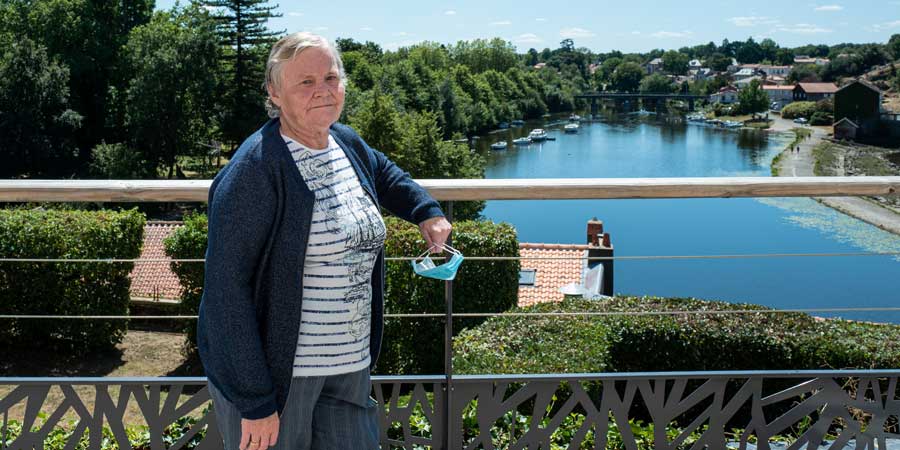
x,y
646,146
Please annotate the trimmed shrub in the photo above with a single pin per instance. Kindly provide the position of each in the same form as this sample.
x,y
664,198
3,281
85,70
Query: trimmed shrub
x,y
751,341
415,346
96,288
189,242
410,346
799,109
821,118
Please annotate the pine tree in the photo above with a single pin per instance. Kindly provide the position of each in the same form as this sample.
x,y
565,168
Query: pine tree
x,y
246,41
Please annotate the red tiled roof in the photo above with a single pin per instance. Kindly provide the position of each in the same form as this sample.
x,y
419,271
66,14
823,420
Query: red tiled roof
x,y
155,279
773,87
819,88
550,274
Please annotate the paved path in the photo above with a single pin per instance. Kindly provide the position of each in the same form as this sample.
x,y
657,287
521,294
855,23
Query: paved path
x,y
801,164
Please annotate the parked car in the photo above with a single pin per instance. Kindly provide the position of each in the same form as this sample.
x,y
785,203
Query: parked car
x,y
801,120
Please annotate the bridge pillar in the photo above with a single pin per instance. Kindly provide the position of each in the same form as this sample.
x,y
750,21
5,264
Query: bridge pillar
x,y
595,107
691,105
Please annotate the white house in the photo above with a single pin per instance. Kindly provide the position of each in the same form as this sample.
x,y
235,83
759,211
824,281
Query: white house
x,y
782,95
694,64
726,95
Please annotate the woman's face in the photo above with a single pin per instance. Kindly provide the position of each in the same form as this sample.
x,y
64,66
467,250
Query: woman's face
x,y
311,95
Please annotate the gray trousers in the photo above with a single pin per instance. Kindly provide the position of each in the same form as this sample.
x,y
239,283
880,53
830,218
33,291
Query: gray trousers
x,y
322,413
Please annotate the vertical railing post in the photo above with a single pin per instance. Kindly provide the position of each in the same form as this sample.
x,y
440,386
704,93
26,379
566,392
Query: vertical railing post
x,y
448,350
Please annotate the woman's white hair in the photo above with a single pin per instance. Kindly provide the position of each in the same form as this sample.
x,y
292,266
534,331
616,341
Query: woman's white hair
x,y
286,49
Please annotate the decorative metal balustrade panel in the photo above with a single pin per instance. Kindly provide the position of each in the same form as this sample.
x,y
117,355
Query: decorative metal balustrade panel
x,y
689,411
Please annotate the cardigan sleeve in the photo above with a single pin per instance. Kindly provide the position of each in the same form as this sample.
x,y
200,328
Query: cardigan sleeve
x,y
241,205
396,190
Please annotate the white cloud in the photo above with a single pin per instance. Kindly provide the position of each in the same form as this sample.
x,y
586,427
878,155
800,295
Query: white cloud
x,y
575,32
320,28
401,33
803,28
635,32
366,29
885,26
528,38
449,12
295,14
671,34
501,23
829,8
752,21
540,19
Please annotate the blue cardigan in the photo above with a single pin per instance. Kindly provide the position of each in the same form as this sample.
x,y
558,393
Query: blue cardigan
x,y
260,211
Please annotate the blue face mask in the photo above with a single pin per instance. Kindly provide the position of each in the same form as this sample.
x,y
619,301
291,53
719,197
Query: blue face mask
x,y
447,271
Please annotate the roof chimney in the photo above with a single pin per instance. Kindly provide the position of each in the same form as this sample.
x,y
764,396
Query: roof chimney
x,y
594,230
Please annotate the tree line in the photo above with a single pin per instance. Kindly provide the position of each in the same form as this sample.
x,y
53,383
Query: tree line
x,y
114,89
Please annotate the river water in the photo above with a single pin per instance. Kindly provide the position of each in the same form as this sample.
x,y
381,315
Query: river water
x,y
646,146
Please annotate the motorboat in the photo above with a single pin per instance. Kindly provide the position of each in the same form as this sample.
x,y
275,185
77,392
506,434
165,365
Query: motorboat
x,y
522,141
571,128
503,125
517,123
574,118
538,134
498,145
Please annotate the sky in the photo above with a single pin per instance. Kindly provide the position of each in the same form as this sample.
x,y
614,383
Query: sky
x,y
600,25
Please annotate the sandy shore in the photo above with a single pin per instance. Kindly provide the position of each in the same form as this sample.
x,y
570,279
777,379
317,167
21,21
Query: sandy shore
x,y
801,164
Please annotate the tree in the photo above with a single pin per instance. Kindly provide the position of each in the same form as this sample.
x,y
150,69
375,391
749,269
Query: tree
x,y
750,52
86,36
718,62
173,60
567,45
893,46
769,49
753,99
805,73
36,122
627,77
531,58
603,74
656,84
675,63
245,42
784,57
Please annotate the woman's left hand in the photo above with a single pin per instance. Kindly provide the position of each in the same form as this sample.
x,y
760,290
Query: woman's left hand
x,y
435,230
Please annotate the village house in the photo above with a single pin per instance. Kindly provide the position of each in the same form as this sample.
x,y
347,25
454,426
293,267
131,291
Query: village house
x,y
726,95
803,59
813,92
773,71
694,64
779,96
701,74
858,110
743,83
655,65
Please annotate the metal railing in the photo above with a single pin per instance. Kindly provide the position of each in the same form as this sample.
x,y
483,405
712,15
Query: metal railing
x,y
865,402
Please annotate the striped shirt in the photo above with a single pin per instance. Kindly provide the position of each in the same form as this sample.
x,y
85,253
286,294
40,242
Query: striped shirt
x,y
346,235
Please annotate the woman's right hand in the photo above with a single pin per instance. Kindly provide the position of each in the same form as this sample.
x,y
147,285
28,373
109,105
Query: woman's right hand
x,y
259,434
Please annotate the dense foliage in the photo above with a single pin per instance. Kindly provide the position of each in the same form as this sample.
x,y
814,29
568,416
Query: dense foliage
x,y
748,341
61,288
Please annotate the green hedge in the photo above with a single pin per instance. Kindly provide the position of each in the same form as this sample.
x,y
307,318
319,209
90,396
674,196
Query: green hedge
x,y
751,341
189,242
415,346
96,288
410,346
799,109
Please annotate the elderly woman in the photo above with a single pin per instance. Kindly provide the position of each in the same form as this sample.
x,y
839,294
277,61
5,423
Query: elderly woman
x,y
292,311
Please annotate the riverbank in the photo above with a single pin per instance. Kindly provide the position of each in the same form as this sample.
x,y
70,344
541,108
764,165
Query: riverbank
x,y
802,164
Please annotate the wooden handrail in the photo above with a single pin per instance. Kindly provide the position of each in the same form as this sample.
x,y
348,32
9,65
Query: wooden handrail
x,y
478,189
